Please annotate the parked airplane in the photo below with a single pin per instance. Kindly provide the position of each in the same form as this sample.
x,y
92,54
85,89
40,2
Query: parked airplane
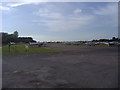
x,y
38,44
33,43
114,43
90,43
72,42
12,43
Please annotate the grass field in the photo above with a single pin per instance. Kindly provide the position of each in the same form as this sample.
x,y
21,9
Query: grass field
x,y
20,49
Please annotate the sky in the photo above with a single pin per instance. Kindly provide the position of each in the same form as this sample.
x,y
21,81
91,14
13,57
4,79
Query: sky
x,y
60,21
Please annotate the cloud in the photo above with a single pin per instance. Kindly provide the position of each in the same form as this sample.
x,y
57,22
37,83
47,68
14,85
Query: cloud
x,y
4,8
60,19
109,14
16,4
77,11
48,14
110,9
24,2
20,4
61,0
65,23
11,5
71,23
75,19
67,19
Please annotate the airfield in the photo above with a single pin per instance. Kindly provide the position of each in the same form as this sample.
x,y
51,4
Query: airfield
x,y
76,67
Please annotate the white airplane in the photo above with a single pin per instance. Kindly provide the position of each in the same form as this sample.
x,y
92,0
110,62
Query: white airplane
x,y
38,43
114,43
90,43
12,43
33,43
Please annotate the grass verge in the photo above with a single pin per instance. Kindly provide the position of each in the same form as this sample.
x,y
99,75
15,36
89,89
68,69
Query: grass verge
x,y
20,49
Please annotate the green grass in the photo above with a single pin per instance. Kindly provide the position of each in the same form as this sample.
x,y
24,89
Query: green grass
x,y
0,51
20,49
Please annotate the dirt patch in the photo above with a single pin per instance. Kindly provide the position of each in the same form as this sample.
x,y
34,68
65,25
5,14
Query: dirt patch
x,y
80,67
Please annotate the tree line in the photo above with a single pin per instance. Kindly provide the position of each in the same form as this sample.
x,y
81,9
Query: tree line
x,y
7,38
108,40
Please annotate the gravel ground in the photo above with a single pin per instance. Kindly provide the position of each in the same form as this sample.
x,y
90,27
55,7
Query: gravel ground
x,y
78,67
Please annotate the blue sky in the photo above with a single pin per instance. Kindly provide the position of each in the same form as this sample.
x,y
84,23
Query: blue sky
x,y
61,21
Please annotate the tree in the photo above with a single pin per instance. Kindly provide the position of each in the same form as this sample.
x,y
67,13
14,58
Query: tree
x,y
113,38
15,34
7,38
